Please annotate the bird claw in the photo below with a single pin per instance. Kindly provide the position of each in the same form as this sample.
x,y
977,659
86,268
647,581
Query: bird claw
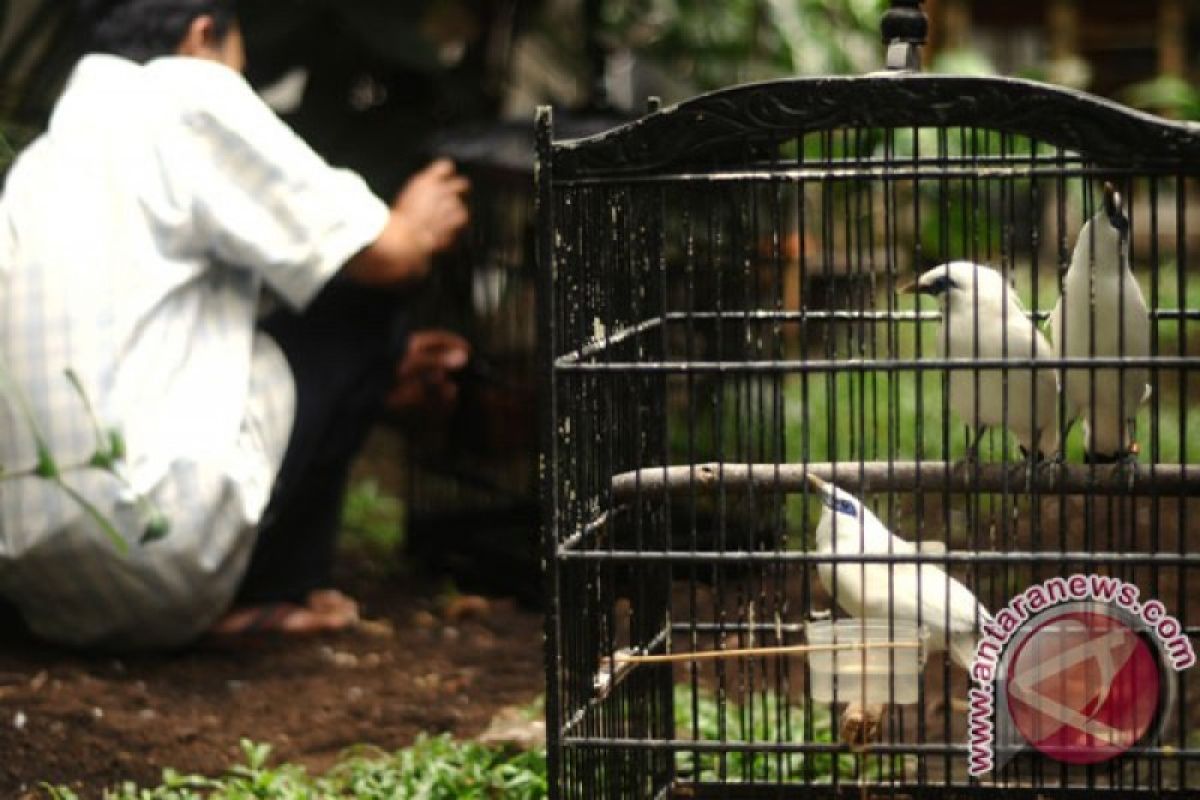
x,y
1036,467
1126,465
970,458
966,465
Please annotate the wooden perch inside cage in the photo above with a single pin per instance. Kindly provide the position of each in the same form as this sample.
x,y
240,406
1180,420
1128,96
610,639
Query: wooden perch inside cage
x,y
906,476
614,669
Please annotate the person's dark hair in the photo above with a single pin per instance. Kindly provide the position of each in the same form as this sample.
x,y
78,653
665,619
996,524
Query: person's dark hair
x,y
144,29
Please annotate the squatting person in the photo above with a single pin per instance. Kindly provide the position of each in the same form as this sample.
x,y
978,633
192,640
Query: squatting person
x,y
139,238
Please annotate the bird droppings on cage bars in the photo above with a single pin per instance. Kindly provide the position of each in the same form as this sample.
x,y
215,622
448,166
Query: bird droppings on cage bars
x,y
769,439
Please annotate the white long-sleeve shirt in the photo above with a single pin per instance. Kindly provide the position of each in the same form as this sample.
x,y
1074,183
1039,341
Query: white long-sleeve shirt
x,y
135,237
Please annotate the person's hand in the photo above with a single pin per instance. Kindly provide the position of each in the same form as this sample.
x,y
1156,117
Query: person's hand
x,y
425,378
431,204
428,214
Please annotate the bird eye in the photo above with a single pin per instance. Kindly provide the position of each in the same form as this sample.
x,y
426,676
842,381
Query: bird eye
x,y
844,506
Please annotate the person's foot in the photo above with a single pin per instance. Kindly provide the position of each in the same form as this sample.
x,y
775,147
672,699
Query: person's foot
x,y
425,377
324,611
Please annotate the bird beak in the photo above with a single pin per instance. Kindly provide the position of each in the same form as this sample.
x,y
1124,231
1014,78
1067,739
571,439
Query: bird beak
x,y
1114,208
908,288
816,483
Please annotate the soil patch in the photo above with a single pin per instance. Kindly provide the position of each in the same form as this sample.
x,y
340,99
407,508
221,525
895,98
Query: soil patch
x,y
93,721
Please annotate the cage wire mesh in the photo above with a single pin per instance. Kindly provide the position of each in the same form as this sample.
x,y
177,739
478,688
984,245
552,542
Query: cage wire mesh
x,y
723,316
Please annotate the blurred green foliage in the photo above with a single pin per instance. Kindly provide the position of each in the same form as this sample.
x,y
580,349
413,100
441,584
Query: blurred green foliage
x,y
372,520
433,768
700,716
716,44
1167,95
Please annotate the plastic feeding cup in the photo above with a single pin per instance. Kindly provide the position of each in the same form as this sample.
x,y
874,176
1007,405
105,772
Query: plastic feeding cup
x,y
886,673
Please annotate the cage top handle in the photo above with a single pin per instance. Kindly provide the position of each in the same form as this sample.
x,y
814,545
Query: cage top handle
x,y
904,27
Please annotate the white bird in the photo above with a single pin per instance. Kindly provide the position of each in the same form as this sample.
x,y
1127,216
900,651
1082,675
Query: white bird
x,y
1101,312
876,589
982,317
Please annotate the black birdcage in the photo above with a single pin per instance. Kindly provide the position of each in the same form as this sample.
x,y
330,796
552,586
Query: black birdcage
x,y
724,334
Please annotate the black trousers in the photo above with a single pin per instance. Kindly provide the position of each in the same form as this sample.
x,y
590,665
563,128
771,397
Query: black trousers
x,y
343,350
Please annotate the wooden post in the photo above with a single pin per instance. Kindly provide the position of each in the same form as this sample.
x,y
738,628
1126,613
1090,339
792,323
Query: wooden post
x,y
956,25
1062,20
1172,38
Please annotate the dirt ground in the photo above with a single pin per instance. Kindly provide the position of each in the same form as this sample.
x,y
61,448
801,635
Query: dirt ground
x,y
431,665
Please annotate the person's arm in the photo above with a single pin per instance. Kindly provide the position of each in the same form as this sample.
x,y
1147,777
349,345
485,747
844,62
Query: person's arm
x,y
425,218
261,199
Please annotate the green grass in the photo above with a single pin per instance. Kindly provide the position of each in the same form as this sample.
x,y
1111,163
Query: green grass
x,y
433,768
766,719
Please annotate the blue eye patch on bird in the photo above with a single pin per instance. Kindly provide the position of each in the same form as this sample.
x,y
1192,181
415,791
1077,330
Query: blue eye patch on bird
x,y
842,505
834,500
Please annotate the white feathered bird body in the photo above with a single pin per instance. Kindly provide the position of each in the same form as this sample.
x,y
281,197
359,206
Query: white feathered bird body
x,y
1101,312
983,318
899,591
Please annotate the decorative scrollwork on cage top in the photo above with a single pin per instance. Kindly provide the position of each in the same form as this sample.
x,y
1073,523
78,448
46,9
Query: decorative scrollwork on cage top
x,y
698,131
